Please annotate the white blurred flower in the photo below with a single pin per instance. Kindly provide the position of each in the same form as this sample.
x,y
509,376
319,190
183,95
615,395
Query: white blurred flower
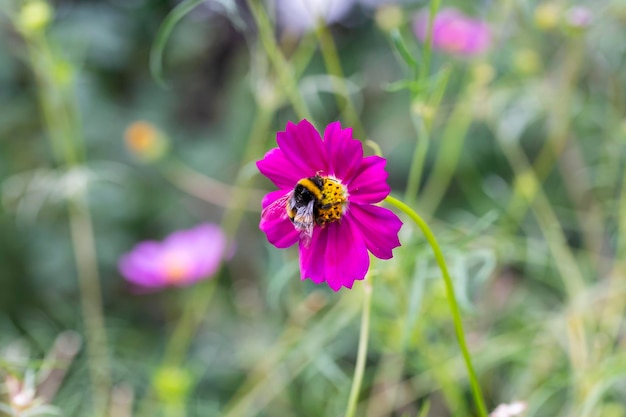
x,y
509,410
302,15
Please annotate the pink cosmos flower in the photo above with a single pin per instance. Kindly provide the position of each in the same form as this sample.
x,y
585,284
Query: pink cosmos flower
x,y
183,258
455,33
325,202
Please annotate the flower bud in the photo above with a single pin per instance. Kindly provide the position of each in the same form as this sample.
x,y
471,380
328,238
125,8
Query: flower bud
x,y
172,384
34,17
389,17
482,74
526,61
578,19
547,16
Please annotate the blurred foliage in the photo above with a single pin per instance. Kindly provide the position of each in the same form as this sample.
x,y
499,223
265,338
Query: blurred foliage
x,y
523,182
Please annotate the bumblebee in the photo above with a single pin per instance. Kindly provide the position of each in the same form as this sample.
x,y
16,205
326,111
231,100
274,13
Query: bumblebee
x,y
314,201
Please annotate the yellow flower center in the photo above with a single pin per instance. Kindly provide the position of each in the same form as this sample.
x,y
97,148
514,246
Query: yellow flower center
x,y
332,203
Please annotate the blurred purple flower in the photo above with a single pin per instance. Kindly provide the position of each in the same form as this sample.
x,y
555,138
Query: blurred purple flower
x,y
579,17
183,258
454,33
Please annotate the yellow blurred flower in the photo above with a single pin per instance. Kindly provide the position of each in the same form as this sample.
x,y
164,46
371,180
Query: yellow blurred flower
x,y
482,74
145,141
34,17
547,16
527,61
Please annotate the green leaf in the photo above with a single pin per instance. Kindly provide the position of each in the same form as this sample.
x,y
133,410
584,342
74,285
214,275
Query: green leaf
x,y
168,25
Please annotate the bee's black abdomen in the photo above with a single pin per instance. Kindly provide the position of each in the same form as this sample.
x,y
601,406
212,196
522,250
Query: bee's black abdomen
x,y
302,196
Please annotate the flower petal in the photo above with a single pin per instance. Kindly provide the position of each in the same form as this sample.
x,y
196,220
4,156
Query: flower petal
x,y
344,153
274,220
142,265
336,254
207,246
302,145
379,228
312,256
279,169
370,183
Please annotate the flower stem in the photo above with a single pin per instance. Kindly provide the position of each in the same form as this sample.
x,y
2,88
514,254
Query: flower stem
x,y
186,327
83,240
359,370
283,69
333,66
57,100
419,157
454,307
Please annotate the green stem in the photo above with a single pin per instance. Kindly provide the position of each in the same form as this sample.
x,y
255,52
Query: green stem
x,y
333,65
188,324
419,158
278,60
448,156
359,370
60,114
81,229
241,196
428,42
454,307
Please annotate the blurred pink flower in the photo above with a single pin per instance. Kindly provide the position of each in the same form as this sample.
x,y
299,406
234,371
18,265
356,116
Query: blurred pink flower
x,y
183,258
454,33
579,17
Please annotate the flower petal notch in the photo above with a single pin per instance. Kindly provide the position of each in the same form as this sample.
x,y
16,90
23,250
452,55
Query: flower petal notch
x,y
182,259
326,203
454,33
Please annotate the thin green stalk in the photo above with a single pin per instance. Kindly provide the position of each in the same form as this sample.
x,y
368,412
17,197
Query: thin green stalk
x,y
267,379
163,35
454,307
448,156
558,129
205,188
238,201
333,66
565,261
422,118
419,158
91,301
196,307
60,114
282,67
359,370
428,43
56,108
530,184
186,327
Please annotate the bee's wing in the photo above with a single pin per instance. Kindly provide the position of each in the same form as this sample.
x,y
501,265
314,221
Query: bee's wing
x,y
276,209
304,220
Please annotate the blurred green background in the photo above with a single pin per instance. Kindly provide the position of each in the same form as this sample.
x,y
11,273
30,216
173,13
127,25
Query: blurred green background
x,y
522,181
